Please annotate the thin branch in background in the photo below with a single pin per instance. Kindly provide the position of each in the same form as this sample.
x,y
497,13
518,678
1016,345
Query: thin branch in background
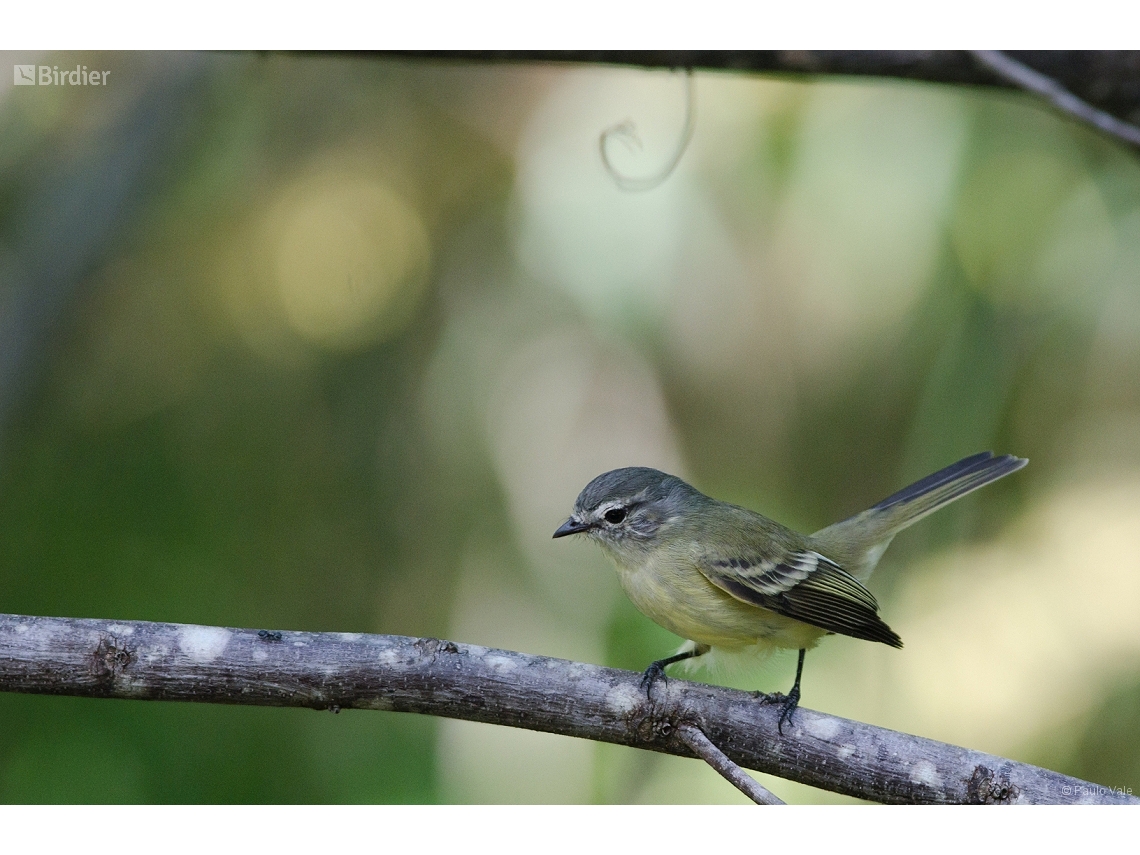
x,y
1107,78
627,132
1020,74
141,660
703,748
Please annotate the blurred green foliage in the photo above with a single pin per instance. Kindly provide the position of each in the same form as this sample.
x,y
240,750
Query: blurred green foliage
x,y
356,331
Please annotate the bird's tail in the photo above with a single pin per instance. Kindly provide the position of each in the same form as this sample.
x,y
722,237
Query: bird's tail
x,y
858,542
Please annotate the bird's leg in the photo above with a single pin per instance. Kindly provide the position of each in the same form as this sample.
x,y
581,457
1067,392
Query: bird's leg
x,y
656,670
793,698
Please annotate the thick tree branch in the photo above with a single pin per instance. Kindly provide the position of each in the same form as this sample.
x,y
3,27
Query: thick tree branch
x,y
157,661
1107,80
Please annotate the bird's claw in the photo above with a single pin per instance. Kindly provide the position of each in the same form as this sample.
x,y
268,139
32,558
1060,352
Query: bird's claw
x,y
788,709
655,672
789,703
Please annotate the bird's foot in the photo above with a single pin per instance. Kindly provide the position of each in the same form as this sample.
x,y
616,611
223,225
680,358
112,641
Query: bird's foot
x,y
789,707
788,704
655,672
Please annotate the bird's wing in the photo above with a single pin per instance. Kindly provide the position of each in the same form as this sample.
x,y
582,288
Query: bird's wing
x,y
803,585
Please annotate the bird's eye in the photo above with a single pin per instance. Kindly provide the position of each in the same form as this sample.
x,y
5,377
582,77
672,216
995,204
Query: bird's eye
x,y
615,515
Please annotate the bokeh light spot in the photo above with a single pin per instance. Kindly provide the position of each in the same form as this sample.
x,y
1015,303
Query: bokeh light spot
x,y
351,257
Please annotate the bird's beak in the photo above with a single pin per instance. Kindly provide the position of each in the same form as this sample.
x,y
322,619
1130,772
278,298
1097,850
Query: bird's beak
x,y
571,526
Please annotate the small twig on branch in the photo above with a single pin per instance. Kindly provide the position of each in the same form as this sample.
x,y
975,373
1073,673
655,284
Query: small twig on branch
x,y
692,736
333,671
1022,75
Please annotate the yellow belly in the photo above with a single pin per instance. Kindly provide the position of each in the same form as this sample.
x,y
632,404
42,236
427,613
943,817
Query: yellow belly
x,y
677,596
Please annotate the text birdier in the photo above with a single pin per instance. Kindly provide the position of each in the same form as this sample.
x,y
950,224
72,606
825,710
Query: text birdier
x,y
53,75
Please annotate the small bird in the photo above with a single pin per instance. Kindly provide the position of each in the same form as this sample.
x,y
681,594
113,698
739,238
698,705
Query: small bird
x,y
728,578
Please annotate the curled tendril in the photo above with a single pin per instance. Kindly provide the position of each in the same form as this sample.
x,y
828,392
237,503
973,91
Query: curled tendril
x,y
626,132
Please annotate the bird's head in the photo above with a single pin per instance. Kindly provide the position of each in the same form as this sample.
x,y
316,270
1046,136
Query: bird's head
x,y
629,510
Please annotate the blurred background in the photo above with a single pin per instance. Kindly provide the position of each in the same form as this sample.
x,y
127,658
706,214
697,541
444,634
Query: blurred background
x,y
322,343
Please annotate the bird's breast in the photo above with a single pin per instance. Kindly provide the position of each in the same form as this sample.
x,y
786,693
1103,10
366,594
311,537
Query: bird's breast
x,y
673,593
